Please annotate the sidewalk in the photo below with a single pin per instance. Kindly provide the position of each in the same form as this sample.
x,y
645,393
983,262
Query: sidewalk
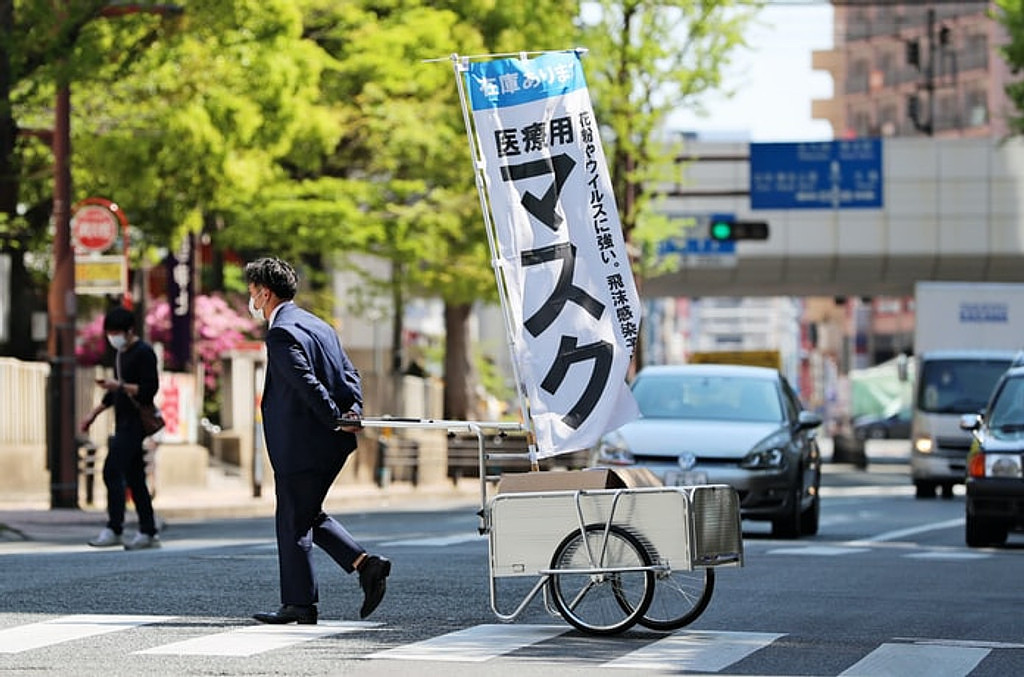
x,y
30,518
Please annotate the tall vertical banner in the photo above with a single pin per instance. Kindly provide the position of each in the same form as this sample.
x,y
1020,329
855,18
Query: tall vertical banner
x,y
181,298
575,311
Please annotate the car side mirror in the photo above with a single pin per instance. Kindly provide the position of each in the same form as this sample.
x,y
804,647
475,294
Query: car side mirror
x,y
970,422
808,419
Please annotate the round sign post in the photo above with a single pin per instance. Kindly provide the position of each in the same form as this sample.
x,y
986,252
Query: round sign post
x,y
94,230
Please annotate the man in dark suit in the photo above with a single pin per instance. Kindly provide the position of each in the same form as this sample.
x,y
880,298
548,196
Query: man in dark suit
x,y
311,388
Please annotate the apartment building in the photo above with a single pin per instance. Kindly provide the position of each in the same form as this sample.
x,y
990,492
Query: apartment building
x,y
906,69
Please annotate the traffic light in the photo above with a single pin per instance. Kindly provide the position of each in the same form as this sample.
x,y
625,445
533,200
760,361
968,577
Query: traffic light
x,y
723,230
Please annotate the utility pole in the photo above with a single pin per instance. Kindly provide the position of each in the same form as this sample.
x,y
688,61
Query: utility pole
x,y
61,304
914,59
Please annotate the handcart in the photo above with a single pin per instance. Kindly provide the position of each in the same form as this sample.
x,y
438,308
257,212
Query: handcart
x,y
607,558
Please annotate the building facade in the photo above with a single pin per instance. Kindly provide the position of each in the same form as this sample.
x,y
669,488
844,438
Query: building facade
x,y
915,69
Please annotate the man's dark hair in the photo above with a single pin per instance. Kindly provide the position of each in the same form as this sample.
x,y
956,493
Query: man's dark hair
x,y
274,274
119,319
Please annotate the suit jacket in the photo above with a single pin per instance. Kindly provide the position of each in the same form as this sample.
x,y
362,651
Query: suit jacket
x,y
310,383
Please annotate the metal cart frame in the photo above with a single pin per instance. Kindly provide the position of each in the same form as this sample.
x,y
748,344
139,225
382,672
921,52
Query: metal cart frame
x,y
605,559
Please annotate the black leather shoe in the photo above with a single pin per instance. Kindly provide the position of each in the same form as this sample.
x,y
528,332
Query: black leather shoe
x,y
289,613
373,578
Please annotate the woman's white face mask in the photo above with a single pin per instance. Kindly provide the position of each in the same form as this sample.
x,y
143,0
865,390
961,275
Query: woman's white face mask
x,y
117,341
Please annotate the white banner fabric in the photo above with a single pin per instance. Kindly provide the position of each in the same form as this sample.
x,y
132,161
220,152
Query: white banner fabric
x,y
573,300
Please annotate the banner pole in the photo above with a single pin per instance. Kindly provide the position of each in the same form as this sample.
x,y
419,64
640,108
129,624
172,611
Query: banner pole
x,y
459,65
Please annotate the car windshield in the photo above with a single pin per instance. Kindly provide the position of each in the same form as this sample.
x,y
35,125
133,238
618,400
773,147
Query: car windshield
x,y
958,386
1008,405
721,398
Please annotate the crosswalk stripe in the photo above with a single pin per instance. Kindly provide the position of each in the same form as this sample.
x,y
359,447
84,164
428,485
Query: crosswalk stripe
x,y
254,639
695,651
917,660
68,628
474,645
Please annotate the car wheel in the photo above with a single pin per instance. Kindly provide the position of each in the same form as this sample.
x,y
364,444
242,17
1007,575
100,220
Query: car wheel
x,y
925,489
876,433
788,526
809,518
980,534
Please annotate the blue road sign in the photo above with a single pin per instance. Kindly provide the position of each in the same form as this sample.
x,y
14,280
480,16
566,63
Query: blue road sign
x,y
816,175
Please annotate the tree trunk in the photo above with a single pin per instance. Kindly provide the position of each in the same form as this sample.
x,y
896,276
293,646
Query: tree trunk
x,y
459,377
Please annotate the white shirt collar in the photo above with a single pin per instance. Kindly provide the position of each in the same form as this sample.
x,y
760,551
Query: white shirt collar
x,y
270,322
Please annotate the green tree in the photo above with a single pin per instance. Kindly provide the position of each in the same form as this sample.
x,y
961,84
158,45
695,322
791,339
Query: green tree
x,y
649,58
1011,15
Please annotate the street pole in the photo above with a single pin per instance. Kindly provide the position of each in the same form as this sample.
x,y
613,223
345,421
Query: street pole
x,y
61,303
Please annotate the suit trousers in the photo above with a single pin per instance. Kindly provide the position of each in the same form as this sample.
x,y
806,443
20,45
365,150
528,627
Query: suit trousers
x,y
300,523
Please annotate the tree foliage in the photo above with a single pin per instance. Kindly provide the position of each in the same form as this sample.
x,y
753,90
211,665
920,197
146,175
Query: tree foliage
x,y
647,59
1011,15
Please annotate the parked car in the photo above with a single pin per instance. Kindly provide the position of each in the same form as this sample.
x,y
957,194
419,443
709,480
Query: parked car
x,y
875,427
995,482
726,424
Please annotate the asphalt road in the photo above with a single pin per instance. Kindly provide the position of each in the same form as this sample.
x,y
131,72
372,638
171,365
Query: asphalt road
x,y
886,587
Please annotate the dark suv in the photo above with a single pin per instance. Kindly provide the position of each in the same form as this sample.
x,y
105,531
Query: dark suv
x,y
995,483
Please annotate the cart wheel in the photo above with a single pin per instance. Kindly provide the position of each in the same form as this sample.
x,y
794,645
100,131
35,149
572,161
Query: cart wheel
x,y
598,601
680,597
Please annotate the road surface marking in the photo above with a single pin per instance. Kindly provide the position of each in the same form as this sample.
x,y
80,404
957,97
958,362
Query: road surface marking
x,y
474,645
695,651
68,628
913,531
917,660
820,550
949,555
439,541
254,639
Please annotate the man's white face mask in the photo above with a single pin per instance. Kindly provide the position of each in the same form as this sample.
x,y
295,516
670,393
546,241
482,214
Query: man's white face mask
x,y
257,313
117,341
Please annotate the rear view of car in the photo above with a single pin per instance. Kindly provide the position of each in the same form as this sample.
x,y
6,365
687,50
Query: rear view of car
x,y
726,424
995,468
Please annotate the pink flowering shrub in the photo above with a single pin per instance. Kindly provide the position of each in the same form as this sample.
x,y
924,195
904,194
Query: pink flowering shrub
x,y
219,328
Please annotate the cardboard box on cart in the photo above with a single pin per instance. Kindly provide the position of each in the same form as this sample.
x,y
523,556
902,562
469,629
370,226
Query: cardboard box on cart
x,y
571,480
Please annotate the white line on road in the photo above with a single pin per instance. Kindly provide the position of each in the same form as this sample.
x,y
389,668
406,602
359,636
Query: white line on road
x,y
915,660
695,651
911,531
474,645
439,541
68,628
254,639
820,550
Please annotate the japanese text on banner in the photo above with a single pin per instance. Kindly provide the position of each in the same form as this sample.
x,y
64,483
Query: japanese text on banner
x,y
574,304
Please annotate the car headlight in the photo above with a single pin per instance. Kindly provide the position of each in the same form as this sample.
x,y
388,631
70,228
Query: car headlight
x,y
1002,465
614,450
770,454
923,445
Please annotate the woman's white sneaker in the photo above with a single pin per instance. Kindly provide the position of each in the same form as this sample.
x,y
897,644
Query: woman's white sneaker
x,y
141,541
106,538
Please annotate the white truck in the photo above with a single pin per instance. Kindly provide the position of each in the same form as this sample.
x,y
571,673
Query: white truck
x,y
966,335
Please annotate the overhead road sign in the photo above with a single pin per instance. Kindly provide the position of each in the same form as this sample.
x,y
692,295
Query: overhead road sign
x,y
816,175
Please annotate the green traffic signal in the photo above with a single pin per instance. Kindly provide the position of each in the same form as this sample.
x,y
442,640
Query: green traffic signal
x,y
738,230
721,230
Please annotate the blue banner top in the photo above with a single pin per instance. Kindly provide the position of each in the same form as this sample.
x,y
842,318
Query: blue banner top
x,y
510,82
